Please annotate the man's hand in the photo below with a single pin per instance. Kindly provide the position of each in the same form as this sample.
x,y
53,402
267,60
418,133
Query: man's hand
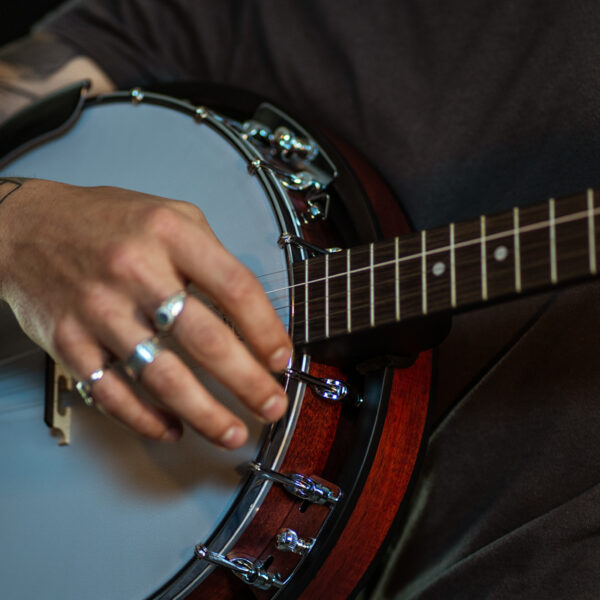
x,y
84,269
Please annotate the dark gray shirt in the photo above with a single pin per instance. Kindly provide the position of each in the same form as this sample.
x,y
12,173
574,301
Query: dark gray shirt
x,y
466,107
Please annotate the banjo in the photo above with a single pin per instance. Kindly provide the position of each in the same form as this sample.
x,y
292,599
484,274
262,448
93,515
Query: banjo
x,y
96,512
303,510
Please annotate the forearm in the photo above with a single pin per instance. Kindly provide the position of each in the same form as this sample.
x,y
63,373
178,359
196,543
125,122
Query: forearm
x,y
39,64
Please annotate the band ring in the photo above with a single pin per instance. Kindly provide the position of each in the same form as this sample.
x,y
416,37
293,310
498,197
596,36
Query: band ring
x,y
84,386
144,354
168,311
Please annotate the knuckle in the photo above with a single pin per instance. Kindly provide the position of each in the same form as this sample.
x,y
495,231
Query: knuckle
x,y
111,400
95,302
145,423
65,336
161,221
257,387
191,211
209,339
203,419
121,259
241,285
166,375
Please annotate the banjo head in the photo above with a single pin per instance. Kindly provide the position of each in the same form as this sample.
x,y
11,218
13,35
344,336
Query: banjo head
x,y
112,515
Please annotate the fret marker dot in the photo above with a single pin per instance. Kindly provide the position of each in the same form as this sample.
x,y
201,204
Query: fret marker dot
x,y
438,269
500,253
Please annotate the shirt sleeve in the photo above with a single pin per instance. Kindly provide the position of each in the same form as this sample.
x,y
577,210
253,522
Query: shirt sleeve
x,y
139,42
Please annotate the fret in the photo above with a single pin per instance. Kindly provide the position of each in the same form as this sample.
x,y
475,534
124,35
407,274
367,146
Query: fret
x,y
410,278
306,304
348,293
467,255
360,283
371,287
517,249
301,329
438,270
336,291
396,279
591,232
452,268
315,306
500,260
535,250
326,295
423,273
484,282
384,279
462,265
572,237
552,218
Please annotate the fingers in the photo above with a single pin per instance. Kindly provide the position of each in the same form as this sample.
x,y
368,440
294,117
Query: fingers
x,y
135,251
168,379
211,343
82,355
217,273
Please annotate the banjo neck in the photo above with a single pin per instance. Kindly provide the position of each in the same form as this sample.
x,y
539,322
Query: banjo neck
x,y
447,269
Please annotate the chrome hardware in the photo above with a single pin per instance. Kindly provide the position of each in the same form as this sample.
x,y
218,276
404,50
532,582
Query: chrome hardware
x,y
287,540
297,181
287,239
200,114
256,131
285,141
317,208
329,389
137,95
301,486
252,573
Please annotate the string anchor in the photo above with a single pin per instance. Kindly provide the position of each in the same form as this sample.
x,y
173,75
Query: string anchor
x,y
289,239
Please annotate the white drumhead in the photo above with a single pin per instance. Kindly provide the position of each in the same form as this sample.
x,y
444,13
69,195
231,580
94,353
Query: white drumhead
x,y
112,516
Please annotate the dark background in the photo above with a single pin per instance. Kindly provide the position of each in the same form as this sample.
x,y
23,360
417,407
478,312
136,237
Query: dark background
x,y
17,17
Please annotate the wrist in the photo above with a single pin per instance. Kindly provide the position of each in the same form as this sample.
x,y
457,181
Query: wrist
x,y
10,189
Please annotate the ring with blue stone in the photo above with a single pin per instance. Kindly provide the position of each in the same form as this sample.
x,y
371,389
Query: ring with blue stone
x,y
168,311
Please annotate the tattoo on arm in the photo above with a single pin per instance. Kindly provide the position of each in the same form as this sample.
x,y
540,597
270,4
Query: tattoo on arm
x,y
9,185
24,67
38,56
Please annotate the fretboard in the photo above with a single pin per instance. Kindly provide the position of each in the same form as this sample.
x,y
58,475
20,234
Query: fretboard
x,y
450,268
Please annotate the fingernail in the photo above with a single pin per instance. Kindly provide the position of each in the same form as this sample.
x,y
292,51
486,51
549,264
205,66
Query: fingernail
x,y
171,435
279,359
273,408
234,437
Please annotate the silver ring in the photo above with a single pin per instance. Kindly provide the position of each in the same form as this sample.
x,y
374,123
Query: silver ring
x,y
84,387
168,311
144,354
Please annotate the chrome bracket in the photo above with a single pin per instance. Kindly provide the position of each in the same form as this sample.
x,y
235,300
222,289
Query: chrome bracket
x,y
317,208
251,572
136,95
289,239
287,143
298,485
287,540
297,181
328,389
201,113
283,141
